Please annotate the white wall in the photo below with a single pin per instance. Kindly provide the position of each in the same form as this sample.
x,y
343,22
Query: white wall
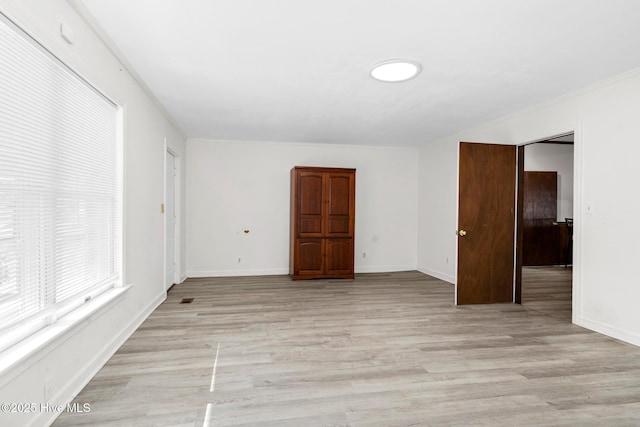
x,y
438,193
554,158
233,186
68,364
605,120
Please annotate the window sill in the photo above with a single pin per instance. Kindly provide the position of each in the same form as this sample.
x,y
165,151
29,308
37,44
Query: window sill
x,y
47,339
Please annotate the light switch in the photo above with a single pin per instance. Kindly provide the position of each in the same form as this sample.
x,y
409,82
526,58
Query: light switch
x,y
66,32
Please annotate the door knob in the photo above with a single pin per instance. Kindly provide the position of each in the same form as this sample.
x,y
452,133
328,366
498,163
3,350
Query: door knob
x,y
462,233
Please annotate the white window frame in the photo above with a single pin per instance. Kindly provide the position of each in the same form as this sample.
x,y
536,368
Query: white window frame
x,y
17,340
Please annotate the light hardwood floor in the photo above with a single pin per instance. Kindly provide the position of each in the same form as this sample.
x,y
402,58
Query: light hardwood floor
x,y
382,350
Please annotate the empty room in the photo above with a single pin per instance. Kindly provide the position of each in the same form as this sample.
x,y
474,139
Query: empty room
x,y
337,213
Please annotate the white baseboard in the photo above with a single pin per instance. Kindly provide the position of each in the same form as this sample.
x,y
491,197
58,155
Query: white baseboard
x,y
278,271
232,273
383,268
75,385
611,331
437,274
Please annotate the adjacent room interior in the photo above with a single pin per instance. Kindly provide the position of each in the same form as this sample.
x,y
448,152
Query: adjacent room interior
x,y
548,226
456,231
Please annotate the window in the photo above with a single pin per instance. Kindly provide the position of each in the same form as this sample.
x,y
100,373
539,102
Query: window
x,y
60,192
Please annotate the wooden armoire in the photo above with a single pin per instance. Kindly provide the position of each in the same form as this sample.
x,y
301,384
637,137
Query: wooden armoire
x,y
545,240
322,222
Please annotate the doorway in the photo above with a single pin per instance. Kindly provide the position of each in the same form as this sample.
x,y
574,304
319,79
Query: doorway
x,y
170,219
485,225
545,226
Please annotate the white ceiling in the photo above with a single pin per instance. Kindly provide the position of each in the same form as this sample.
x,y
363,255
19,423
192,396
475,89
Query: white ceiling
x,y
295,70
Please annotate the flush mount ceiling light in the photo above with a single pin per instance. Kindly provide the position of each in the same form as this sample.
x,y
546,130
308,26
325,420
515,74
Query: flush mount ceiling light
x,y
395,70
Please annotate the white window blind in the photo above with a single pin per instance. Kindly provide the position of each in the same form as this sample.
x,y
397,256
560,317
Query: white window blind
x,y
59,188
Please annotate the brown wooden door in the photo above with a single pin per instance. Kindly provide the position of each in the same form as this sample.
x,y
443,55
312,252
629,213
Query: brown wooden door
x,y
486,213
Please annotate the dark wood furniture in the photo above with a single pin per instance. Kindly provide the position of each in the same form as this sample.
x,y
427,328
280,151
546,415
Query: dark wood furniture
x,y
322,223
568,241
545,240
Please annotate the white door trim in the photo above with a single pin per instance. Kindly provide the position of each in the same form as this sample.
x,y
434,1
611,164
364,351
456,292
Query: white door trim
x,y
169,281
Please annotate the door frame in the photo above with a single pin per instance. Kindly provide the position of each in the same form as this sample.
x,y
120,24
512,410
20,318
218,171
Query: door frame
x,y
176,232
576,280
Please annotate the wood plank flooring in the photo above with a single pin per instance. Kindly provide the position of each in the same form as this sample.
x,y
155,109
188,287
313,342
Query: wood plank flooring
x,y
381,350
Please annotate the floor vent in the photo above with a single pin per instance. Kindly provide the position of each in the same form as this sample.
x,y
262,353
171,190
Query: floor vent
x,y
186,301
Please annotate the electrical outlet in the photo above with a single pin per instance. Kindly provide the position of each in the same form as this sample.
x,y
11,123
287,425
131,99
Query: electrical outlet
x,y
364,254
446,260
238,259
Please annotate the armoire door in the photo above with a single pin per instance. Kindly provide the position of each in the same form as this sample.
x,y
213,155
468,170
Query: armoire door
x,y
311,203
339,256
310,256
339,203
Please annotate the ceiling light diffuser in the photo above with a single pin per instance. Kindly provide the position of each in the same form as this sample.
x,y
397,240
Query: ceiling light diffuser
x,y
395,70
